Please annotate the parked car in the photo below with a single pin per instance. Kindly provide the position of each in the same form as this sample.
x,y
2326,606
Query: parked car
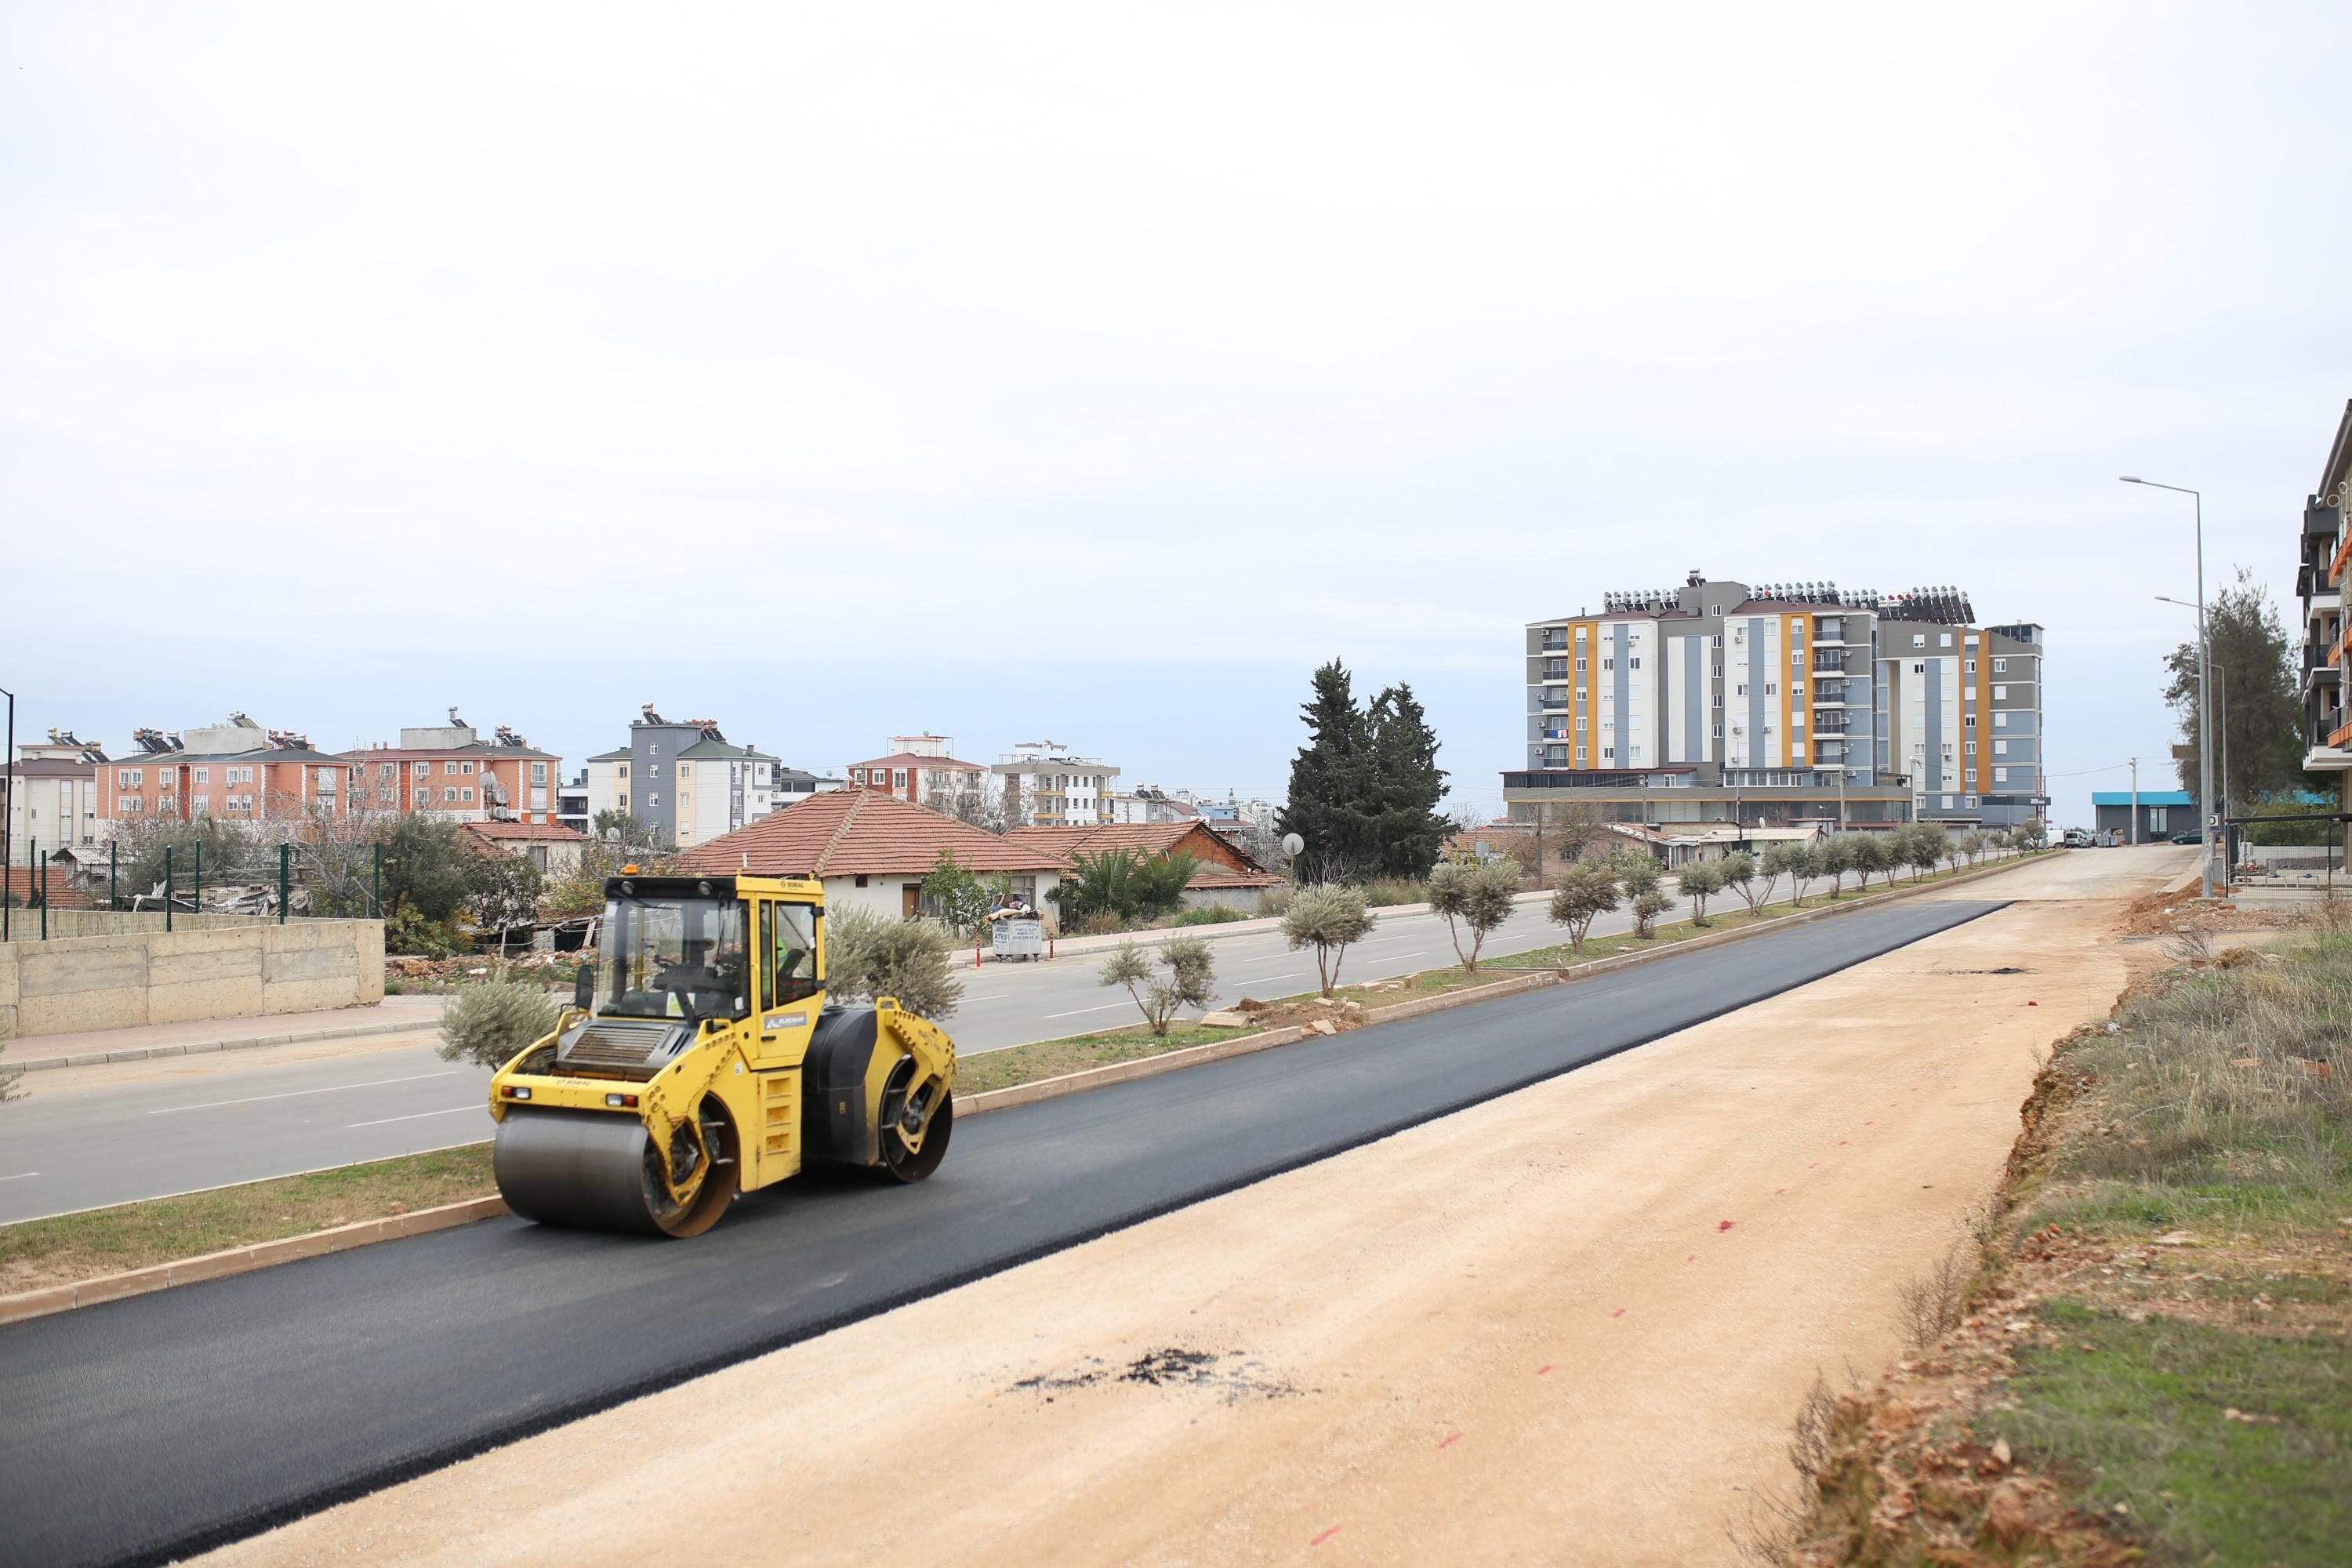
x,y
2194,835
2075,838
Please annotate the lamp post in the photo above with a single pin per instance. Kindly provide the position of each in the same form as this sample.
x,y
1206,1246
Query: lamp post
x,y
7,814
2204,689
2223,670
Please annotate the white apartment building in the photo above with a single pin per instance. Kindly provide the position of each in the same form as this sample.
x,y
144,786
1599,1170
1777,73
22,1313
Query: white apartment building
x,y
55,802
683,780
1056,787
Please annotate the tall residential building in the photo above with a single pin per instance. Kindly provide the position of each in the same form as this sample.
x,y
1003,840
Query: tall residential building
x,y
55,805
1717,702
924,768
450,772
1055,787
235,769
683,778
2325,551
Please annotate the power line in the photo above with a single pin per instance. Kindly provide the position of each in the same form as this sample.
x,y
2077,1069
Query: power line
x,y
2079,773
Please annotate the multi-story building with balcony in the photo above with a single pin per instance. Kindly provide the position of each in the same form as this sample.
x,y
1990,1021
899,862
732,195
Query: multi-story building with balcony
x,y
1717,702
450,771
1053,787
2325,560
236,770
683,780
54,803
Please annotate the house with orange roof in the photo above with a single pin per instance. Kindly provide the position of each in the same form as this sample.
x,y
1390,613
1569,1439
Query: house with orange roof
x,y
871,849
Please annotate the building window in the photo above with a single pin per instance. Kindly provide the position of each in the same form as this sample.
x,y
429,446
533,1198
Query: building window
x,y
203,776
1919,640
2001,775
1948,803
2000,748
897,778
449,769
466,769
1969,801
468,795
1972,748
2000,720
424,770
2000,667
1608,664
2001,694
1969,666
1917,669
1580,666
1945,639
539,772
653,800
1771,688
653,770
130,778
449,795
1970,721
2158,817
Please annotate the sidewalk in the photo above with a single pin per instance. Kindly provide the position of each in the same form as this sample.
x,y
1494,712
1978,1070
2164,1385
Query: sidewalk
x,y
392,1015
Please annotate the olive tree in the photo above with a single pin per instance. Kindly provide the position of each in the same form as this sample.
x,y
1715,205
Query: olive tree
x,y
1835,857
1739,877
1585,891
1329,919
1473,897
489,1023
1701,879
2030,833
1873,853
1784,858
1925,846
1647,906
868,954
1189,979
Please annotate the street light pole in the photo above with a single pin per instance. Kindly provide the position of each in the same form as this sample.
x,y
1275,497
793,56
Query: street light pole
x,y
8,815
2204,690
2223,671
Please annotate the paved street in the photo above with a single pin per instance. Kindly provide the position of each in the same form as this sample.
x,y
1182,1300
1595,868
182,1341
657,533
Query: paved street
x,y
322,1379
87,1137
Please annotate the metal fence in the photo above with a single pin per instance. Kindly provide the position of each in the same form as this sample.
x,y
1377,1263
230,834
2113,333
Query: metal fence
x,y
205,882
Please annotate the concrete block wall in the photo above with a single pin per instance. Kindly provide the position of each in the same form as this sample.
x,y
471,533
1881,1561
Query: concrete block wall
x,y
25,925
69,984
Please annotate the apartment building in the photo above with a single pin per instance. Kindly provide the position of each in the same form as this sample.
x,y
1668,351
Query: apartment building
x,y
1775,704
2325,551
684,779
234,769
448,771
924,768
54,803
1054,786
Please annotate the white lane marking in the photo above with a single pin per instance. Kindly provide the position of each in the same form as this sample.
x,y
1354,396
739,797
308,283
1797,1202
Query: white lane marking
x,y
420,1116
19,1176
1422,953
1269,958
296,1093
1299,975
987,998
1076,1011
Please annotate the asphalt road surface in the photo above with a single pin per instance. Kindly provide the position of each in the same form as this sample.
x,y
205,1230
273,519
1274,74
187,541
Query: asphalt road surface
x,y
111,1143
142,1429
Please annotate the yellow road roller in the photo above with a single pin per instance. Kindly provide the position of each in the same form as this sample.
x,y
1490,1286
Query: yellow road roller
x,y
700,1058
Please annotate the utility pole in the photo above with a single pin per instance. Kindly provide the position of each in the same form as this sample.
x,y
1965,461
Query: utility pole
x,y
8,816
2204,692
2135,806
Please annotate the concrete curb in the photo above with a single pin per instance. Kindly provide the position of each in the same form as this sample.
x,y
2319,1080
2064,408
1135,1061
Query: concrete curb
x,y
1080,946
244,1260
200,1047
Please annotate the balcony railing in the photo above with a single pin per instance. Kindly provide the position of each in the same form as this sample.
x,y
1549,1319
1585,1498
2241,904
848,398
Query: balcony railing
x,y
1555,699
1823,666
2343,554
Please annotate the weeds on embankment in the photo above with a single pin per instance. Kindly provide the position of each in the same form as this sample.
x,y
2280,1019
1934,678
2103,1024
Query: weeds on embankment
x,y
2147,1354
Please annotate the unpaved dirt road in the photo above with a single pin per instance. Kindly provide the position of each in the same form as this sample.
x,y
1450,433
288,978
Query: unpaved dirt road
x,y
1567,1326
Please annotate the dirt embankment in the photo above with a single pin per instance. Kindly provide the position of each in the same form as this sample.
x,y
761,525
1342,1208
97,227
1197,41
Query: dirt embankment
x,y
1568,1325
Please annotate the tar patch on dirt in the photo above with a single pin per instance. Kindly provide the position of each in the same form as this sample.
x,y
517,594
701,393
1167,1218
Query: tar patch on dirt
x,y
2004,969
1231,1374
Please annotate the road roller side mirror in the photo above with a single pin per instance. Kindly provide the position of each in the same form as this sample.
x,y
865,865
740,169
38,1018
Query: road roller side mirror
x,y
583,988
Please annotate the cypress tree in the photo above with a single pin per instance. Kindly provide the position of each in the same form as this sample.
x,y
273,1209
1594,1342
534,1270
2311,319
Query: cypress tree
x,y
1407,784
1332,783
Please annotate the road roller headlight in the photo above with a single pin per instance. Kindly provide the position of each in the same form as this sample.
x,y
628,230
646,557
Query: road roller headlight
x,y
628,1101
514,1091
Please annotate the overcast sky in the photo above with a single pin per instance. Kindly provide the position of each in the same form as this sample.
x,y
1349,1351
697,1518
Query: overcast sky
x,y
1093,373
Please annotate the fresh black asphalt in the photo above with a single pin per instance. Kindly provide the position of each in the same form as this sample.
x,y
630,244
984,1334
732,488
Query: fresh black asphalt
x,y
147,1428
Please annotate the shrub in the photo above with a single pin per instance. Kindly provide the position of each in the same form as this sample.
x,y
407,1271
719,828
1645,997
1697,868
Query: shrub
x,y
489,1023
868,954
2030,833
407,932
1208,915
1386,892
1190,980
1474,897
1329,919
1586,891
956,894
1122,882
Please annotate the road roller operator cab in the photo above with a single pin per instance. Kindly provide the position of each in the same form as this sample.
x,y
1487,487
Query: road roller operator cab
x,y
701,1057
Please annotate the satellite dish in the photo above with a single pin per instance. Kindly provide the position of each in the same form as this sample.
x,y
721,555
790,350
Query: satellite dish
x,y
1292,844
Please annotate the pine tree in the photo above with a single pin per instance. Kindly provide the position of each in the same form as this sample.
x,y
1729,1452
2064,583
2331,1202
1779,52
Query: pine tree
x,y
1333,788
1407,832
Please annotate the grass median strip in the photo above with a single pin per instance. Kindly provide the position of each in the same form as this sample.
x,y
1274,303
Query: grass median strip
x,y
67,1248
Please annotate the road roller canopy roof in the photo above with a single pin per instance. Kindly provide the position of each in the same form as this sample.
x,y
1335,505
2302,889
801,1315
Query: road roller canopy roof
x,y
666,886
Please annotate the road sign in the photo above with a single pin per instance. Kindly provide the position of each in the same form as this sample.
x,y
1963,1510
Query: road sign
x,y
2184,753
